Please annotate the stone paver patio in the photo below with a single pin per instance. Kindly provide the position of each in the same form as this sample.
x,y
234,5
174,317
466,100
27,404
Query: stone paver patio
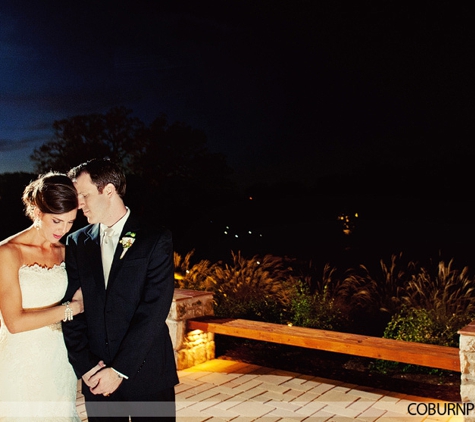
x,y
224,390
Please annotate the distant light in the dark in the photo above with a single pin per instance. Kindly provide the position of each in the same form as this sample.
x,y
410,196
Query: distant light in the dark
x,y
348,222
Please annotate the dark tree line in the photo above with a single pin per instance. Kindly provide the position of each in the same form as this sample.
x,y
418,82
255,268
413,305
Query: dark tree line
x,y
164,156
173,179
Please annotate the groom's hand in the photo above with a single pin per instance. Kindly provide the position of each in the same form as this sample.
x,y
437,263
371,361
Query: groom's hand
x,y
87,376
105,382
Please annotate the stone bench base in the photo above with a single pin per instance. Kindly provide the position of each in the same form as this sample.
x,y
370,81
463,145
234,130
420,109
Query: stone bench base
x,y
190,348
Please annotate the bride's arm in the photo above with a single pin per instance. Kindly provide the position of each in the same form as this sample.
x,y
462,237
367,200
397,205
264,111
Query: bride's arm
x,y
15,317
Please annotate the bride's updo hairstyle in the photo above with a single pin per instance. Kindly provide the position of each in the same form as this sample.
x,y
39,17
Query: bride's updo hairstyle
x,y
51,193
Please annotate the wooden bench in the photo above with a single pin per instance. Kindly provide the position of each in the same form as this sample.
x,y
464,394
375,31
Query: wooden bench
x,y
434,356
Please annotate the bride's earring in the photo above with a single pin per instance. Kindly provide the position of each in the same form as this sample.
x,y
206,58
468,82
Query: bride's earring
x,y
37,223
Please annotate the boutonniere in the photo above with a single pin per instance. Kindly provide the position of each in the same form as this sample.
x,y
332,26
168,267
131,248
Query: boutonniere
x,y
127,241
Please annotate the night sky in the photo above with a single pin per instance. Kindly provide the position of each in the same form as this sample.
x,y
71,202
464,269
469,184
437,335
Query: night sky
x,y
285,89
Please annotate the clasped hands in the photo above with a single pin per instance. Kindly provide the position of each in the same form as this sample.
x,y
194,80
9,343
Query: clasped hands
x,y
102,380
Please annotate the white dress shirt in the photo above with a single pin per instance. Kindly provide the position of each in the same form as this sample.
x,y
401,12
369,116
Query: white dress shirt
x,y
108,247
109,241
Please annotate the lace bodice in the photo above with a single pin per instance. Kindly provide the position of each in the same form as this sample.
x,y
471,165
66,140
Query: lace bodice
x,y
42,286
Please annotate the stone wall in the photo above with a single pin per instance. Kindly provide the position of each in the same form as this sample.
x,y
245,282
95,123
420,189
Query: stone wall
x,y
190,348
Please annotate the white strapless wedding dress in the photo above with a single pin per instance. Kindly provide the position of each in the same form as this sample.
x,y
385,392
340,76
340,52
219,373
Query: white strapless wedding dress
x,y
36,380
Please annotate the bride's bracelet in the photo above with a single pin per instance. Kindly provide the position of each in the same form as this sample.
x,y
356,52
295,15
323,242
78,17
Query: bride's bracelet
x,y
68,312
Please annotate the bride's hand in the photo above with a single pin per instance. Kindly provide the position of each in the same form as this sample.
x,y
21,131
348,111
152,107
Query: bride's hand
x,y
77,302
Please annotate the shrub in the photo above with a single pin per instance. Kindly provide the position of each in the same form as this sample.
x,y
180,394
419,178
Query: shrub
x,y
263,308
318,310
417,325
249,285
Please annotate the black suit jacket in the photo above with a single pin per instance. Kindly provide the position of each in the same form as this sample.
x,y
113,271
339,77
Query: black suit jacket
x,y
124,325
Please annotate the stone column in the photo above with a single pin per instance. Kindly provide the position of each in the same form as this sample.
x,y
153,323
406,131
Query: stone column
x,y
467,362
190,348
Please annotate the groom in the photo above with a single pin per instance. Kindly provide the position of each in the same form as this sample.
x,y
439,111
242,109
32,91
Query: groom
x,y
120,346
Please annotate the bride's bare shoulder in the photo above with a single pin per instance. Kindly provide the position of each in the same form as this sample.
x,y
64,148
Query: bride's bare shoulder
x,y
10,248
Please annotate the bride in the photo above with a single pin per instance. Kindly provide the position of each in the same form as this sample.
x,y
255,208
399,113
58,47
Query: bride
x,y
36,380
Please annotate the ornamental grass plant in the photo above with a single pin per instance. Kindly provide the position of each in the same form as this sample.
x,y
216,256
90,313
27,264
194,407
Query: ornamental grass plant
x,y
448,294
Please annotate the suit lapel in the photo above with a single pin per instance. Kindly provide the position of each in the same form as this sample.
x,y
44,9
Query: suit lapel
x,y
131,225
92,245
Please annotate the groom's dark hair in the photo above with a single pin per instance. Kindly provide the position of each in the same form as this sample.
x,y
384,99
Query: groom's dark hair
x,y
102,172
